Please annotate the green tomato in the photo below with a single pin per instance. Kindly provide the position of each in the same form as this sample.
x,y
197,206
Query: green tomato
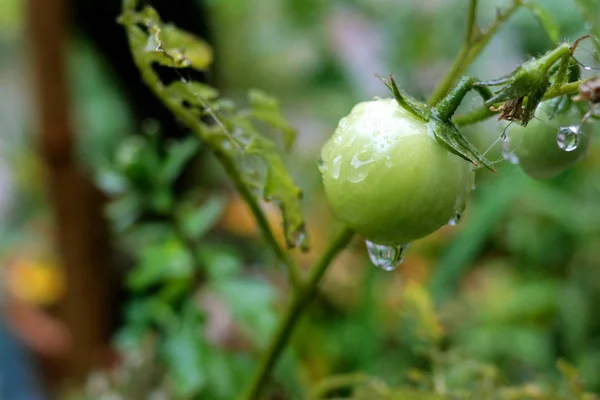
x,y
537,149
387,178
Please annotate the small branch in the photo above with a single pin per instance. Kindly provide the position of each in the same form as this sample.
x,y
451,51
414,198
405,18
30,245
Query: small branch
x,y
471,48
484,112
302,298
188,118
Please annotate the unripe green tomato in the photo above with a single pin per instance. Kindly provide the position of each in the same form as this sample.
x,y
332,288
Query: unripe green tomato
x,y
388,179
535,146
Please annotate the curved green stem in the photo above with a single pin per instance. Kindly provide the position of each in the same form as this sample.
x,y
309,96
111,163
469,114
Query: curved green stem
x,y
300,301
471,47
186,116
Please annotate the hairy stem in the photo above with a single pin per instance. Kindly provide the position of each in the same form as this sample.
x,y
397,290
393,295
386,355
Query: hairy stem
x,y
484,112
190,120
301,299
471,47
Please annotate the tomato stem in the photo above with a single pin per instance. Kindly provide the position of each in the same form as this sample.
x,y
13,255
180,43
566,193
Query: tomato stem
x,y
300,301
484,112
473,44
152,80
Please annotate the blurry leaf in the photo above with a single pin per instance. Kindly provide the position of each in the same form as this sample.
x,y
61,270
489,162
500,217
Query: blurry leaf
x,y
192,92
267,108
194,49
545,19
111,182
183,353
251,153
170,46
199,220
138,161
590,10
419,320
221,262
160,261
232,136
251,303
161,200
178,155
487,211
571,375
124,211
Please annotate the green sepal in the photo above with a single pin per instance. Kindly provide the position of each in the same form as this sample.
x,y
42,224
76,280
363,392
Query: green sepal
x,y
417,108
446,134
525,87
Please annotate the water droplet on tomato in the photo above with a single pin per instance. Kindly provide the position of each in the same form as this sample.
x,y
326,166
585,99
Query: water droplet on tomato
x,y
357,176
455,220
360,160
388,162
386,257
568,137
336,167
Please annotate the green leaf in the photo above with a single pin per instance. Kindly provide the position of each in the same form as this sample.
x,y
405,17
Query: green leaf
x,y
545,19
222,262
266,108
250,158
183,354
179,153
251,303
124,211
170,46
199,220
161,261
254,156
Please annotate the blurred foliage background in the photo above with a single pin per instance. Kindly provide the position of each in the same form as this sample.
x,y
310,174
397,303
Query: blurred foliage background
x,y
492,303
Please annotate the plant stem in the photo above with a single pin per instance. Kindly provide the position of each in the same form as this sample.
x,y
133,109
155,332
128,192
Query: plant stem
x,y
484,112
471,47
190,120
301,299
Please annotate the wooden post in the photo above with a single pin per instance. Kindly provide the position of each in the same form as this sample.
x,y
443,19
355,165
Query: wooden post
x,y
80,230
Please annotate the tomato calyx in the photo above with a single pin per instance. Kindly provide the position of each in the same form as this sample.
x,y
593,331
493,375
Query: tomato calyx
x,y
438,118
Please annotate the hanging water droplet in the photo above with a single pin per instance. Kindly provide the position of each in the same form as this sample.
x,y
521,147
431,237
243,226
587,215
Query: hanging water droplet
x,y
336,167
455,220
567,137
386,257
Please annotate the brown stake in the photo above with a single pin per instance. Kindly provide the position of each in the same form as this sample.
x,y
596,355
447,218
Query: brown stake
x,y
80,231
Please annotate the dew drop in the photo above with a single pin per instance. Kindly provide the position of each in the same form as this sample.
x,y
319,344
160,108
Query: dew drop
x,y
455,220
567,137
388,161
386,257
336,167
357,176
356,162
376,133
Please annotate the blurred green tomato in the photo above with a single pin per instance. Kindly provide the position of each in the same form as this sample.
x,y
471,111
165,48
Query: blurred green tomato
x,y
547,147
